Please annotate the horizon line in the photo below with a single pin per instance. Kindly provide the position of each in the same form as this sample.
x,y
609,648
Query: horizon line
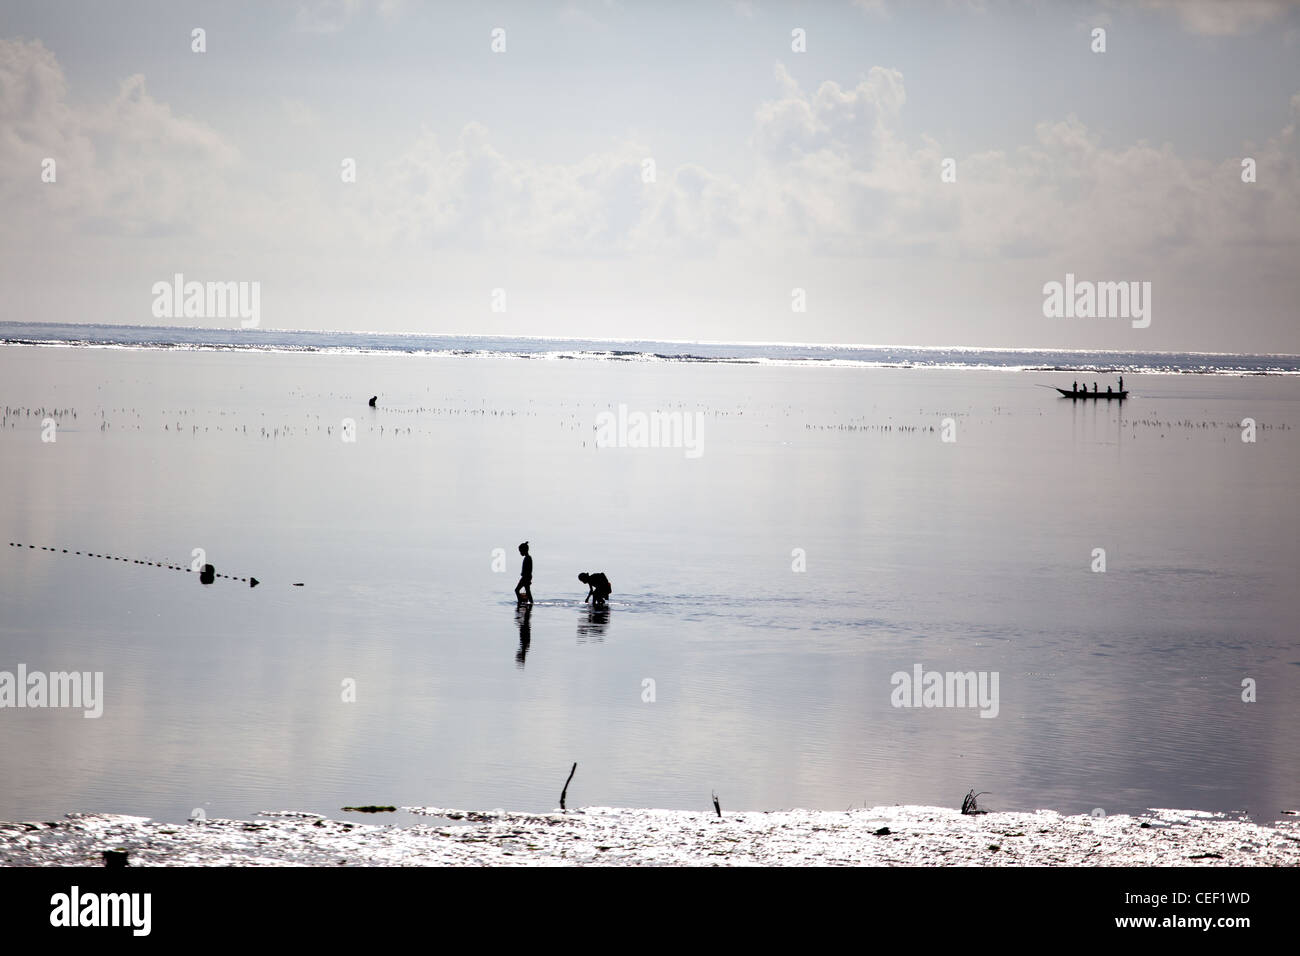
x,y
576,338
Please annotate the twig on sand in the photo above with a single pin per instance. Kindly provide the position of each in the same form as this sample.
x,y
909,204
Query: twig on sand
x,y
566,785
717,806
968,804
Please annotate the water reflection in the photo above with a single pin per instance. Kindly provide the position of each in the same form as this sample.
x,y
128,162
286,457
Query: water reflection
x,y
523,618
592,622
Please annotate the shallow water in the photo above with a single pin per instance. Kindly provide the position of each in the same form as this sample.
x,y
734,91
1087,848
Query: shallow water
x,y
1120,690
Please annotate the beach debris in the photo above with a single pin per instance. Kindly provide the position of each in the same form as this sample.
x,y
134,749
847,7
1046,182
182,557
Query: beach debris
x,y
565,791
371,808
968,804
373,399
717,806
883,831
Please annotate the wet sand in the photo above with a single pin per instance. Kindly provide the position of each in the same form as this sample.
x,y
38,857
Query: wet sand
x,y
602,836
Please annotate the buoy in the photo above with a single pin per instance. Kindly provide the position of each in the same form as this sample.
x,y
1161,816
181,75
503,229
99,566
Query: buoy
x,y
207,574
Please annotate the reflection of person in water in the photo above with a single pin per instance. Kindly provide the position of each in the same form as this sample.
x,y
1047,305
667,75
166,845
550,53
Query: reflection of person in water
x,y
598,585
524,612
525,576
592,623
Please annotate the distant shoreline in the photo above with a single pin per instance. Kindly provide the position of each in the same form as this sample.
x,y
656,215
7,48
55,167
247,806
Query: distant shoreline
x,y
601,836
772,354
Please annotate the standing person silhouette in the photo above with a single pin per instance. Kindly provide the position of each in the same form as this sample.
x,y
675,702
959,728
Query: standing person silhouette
x,y
525,576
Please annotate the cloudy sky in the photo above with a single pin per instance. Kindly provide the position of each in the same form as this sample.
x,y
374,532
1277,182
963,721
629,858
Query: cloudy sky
x,y
661,169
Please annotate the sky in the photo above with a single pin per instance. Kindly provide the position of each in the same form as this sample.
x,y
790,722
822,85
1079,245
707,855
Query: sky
x,y
866,172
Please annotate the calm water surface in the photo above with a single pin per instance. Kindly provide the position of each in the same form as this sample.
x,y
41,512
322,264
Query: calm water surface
x,y
771,686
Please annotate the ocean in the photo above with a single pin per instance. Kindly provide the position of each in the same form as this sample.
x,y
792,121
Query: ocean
x,y
797,537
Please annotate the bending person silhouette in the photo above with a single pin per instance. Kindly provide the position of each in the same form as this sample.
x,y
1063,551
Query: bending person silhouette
x,y
598,585
525,576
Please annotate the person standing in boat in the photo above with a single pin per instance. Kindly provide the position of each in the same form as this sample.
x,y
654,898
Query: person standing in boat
x,y
1075,389
1094,388
1121,384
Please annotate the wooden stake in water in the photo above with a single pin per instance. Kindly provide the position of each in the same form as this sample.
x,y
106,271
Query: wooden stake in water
x,y
566,785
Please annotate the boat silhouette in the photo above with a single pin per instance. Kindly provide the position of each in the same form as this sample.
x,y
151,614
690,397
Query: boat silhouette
x,y
1067,393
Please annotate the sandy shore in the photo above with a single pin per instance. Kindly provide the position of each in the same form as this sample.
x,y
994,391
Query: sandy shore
x,y
902,836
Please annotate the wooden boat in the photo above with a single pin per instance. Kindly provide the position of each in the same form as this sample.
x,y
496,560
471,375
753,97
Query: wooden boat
x,y
1066,393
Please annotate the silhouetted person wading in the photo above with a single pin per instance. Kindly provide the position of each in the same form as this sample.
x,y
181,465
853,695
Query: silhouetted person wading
x,y
525,576
598,585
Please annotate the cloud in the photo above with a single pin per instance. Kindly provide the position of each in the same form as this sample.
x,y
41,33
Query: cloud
x,y
127,166
833,118
297,112
839,179
834,177
332,16
472,197
1224,17
581,14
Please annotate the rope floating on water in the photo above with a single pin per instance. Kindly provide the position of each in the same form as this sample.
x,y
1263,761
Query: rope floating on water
x,y
207,574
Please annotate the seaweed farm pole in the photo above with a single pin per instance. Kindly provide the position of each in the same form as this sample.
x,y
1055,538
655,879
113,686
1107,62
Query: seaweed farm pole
x,y
566,785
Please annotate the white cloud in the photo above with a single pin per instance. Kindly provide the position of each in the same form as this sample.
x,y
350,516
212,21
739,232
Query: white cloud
x,y
1224,17
127,166
325,16
834,178
332,16
297,112
832,118
840,180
